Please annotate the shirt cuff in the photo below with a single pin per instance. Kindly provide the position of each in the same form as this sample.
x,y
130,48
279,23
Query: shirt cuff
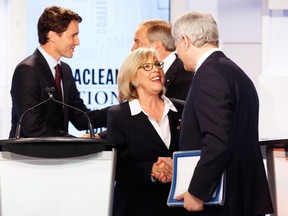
x,y
153,179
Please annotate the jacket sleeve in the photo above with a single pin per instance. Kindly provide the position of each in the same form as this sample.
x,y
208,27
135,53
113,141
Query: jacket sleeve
x,y
213,107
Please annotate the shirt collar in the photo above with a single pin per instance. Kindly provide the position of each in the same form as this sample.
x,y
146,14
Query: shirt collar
x,y
204,57
168,61
50,60
136,108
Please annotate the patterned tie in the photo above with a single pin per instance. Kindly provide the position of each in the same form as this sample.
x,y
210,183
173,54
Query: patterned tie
x,y
58,76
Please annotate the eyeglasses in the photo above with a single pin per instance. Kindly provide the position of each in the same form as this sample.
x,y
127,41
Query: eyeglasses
x,y
149,66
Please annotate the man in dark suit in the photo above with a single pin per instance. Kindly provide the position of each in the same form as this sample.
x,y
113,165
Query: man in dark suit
x,y
220,117
157,34
58,37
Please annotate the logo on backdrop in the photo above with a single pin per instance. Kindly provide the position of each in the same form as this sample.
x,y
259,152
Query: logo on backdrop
x,y
98,87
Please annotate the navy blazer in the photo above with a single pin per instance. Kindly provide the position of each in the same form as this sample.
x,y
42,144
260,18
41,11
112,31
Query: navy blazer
x,y
221,118
30,79
135,193
177,80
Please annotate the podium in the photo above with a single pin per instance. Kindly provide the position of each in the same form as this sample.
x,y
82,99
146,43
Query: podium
x,y
276,154
56,176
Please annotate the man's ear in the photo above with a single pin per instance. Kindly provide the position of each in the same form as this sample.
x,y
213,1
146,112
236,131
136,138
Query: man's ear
x,y
157,44
187,42
52,36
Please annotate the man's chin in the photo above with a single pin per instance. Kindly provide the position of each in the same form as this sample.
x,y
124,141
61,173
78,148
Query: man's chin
x,y
68,56
187,68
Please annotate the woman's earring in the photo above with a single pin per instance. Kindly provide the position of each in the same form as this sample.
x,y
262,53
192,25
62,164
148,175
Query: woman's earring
x,y
135,84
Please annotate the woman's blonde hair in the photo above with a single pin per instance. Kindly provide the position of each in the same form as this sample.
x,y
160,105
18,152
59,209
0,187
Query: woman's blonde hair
x,y
128,71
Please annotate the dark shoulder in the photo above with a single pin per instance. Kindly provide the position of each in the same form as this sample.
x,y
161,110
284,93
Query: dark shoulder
x,y
28,67
30,61
122,107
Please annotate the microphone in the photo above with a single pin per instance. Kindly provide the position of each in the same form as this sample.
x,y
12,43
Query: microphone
x,y
18,126
50,92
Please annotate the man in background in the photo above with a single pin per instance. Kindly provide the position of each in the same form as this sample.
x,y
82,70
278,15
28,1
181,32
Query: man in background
x,y
157,34
58,37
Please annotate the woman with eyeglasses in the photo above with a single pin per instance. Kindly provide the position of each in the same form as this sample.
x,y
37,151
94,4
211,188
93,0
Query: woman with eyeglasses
x,y
146,123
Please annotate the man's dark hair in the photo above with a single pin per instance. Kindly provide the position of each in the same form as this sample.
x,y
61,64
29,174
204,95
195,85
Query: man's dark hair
x,y
55,19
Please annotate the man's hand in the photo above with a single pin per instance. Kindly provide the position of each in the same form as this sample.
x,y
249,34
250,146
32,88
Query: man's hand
x,y
88,136
191,203
162,170
168,162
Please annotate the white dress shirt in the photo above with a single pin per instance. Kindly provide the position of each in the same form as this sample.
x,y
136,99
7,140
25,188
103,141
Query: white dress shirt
x,y
168,61
162,127
204,57
52,64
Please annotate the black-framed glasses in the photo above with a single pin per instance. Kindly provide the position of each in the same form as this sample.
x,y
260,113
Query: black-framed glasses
x,y
149,66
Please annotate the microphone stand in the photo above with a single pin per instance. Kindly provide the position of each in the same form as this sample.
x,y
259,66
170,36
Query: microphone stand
x,y
18,127
90,126
50,93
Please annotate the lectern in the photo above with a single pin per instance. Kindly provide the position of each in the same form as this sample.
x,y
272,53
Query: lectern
x,y
56,176
276,152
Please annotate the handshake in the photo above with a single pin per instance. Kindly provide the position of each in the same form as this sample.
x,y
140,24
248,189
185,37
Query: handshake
x,y
162,169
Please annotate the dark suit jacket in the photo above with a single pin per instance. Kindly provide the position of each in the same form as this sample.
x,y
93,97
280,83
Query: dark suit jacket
x,y
177,80
221,118
135,194
30,79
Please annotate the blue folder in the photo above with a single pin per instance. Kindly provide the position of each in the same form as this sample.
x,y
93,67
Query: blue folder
x,y
219,194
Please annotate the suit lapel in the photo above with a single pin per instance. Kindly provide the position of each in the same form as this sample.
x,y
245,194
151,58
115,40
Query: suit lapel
x,y
49,78
65,83
44,68
174,120
66,93
170,74
145,127
46,72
